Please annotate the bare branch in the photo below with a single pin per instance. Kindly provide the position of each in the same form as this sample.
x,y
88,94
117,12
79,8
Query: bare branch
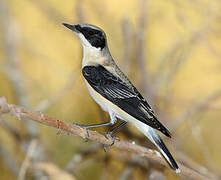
x,y
12,68
140,53
127,37
79,11
51,13
74,162
27,161
198,108
140,46
197,135
21,113
156,175
52,171
197,167
126,173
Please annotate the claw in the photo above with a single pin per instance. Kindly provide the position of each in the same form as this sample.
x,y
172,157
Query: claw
x,y
109,136
85,128
87,135
105,148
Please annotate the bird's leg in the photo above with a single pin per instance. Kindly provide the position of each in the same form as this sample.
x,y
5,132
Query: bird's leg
x,y
113,131
110,133
86,127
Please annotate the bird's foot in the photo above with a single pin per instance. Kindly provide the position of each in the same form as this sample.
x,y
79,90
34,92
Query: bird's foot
x,y
86,130
109,136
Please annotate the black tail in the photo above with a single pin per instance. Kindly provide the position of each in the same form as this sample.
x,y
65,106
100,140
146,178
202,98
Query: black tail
x,y
165,152
151,134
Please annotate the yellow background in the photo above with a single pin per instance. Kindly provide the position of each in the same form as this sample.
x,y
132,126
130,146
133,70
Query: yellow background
x,y
181,77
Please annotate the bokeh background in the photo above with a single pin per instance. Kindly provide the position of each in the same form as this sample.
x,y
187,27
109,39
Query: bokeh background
x,y
170,49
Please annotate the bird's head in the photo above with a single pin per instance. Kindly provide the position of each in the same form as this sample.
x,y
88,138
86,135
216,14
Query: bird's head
x,y
89,35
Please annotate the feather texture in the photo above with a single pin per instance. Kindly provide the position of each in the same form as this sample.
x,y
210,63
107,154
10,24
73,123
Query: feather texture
x,y
127,98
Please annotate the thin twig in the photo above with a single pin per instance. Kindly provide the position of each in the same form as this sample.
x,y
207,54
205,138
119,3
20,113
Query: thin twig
x,y
197,135
154,174
27,161
197,167
49,11
77,158
52,171
12,68
140,45
198,108
79,11
127,37
126,172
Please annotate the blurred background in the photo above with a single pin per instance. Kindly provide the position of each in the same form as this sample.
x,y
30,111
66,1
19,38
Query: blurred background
x,y
170,49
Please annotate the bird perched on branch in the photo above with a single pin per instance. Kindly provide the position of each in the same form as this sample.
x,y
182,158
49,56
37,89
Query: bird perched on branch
x,y
113,91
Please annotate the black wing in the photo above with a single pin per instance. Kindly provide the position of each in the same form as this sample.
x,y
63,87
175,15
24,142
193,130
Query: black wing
x,y
126,98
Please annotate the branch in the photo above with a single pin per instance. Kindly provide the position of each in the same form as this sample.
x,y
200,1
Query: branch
x,y
156,175
21,113
27,161
198,108
52,171
12,68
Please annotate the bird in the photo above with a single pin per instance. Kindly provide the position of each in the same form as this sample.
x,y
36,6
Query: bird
x,y
114,92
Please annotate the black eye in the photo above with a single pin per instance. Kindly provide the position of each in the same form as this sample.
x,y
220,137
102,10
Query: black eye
x,y
97,41
91,32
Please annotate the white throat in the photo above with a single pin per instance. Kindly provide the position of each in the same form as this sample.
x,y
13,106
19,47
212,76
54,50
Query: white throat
x,y
90,55
93,55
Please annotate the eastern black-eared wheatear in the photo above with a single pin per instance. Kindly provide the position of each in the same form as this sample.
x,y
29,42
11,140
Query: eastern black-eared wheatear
x,y
113,91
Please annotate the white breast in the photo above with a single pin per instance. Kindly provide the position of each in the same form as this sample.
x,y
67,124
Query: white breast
x,y
97,97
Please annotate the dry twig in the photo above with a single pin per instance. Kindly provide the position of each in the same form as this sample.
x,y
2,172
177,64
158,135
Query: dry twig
x,y
156,175
52,171
27,161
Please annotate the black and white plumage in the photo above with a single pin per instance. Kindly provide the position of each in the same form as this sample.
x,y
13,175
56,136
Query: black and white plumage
x,y
116,91
113,91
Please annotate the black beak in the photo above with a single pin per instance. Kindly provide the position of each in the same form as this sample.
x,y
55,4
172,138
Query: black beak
x,y
74,28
